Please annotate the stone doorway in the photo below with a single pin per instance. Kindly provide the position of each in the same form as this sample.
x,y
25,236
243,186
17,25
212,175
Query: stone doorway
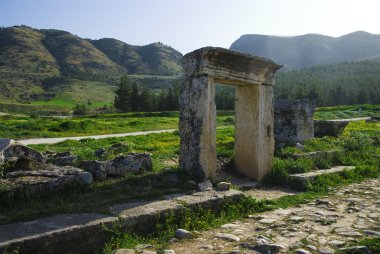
x,y
254,139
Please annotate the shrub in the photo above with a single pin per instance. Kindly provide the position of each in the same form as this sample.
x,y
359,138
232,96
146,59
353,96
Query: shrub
x,y
356,141
80,109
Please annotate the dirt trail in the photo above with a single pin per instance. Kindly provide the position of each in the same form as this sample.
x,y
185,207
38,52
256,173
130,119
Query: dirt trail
x,y
36,141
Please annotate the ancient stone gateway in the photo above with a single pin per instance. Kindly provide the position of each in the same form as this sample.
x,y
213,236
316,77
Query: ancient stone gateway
x,y
254,139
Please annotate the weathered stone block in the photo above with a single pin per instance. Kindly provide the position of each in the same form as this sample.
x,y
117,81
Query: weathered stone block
x,y
293,121
11,150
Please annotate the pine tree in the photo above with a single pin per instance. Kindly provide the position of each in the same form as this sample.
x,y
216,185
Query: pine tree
x,y
147,100
135,100
123,95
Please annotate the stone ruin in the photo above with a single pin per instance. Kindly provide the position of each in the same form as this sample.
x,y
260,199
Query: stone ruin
x,y
254,139
293,121
22,167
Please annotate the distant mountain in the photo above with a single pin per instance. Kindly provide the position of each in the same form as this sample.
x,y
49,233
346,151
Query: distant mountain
x,y
295,52
32,61
155,58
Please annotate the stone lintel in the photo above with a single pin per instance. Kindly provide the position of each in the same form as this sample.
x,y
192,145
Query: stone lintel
x,y
229,67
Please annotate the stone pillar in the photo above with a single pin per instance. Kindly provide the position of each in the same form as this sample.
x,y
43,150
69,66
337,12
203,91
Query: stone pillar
x,y
254,143
198,126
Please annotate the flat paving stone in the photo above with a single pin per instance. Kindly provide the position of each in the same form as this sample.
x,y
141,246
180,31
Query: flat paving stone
x,y
326,224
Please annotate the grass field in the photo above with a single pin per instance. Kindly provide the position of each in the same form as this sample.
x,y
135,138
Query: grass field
x,y
34,126
349,111
81,92
18,127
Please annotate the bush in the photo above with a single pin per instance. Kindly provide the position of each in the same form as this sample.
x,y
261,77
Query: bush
x,y
75,125
80,109
356,141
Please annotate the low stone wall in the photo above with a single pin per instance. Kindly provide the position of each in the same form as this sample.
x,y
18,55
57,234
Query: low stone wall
x,y
293,121
87,233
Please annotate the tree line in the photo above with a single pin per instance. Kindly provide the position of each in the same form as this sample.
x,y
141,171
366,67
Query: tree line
x,y
331,85
131,97
327,85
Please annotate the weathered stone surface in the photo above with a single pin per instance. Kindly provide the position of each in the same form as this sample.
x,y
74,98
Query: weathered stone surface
x,y
333,127
313,231
329,127
302,251
86,233
183,234
228,237
131,163
60,159
120,166
124,251
99,153
98,168
197,126
65,161
320,154
271,248
301,180
244,184
223,186
254,77
254,130
205,186
355,250
58,234
293,121
49,178
209,199
12,150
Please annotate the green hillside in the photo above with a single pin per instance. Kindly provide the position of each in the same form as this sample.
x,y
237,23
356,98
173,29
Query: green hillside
x,y
153,59
45,66
78,58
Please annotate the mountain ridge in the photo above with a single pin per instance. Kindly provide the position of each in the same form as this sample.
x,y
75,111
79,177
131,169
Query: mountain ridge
x,y
33,61
302,51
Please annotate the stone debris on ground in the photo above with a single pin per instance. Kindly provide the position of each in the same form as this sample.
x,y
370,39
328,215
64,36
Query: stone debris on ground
x,y
26,168
223,186
119,166
11,150
204,186
325,225
183,234
50,178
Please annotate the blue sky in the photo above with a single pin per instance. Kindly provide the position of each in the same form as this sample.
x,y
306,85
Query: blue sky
x,y
190,24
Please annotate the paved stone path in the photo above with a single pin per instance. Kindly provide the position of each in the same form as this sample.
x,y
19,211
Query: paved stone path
x,y
320,226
